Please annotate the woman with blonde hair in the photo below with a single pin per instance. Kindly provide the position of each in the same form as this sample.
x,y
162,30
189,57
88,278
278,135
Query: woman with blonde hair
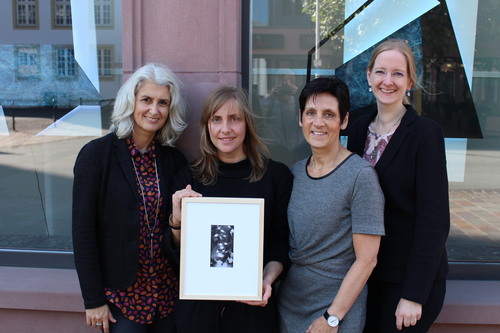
x,y
233,162
407,287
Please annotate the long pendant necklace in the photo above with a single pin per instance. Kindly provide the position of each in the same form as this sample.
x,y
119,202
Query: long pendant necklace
x,y
150,229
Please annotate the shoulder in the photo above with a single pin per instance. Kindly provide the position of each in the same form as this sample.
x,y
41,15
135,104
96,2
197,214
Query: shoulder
x,y
99,146
278,167
171,153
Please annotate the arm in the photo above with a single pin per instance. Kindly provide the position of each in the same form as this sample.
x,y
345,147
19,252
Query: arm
x,y
85,217
432,218
431,228
175,221
366,249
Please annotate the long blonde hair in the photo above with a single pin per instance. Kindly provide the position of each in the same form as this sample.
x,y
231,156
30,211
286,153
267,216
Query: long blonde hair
x,y
206,166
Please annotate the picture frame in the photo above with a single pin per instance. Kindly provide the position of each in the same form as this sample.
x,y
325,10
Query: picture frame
x,y
221,249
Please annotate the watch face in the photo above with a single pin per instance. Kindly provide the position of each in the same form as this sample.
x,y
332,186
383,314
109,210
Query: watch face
x,y
333,321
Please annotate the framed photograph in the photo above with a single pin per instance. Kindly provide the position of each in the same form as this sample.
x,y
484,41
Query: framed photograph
x,y
222,248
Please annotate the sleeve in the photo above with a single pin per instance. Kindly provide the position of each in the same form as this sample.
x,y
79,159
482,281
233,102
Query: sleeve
x,y
87,175
432,221
367,204
180,180
279,229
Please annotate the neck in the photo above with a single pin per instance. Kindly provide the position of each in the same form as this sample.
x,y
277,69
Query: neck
x,y
327,159
142,142
389,114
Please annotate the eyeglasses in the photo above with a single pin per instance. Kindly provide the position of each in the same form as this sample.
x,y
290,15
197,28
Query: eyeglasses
x,y
395,76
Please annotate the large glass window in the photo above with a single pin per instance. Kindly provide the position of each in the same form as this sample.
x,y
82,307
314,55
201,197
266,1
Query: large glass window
x,y
103,10
457,48
61,86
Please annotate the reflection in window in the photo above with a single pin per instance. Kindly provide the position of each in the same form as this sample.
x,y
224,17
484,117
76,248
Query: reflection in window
x,y
27,61
102,10
105,62
62,13
65,63
26,13
466,105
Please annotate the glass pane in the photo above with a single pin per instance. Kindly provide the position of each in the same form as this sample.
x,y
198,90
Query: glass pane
x,y
457,48
51,107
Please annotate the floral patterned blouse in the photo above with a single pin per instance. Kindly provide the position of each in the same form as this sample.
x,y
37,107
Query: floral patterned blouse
x,y
375,146
155,288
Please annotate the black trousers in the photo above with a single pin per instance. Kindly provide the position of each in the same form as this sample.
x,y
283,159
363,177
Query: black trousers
x,y
383,298
125,325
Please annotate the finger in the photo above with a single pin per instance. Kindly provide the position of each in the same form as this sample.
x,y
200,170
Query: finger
x,y
399,323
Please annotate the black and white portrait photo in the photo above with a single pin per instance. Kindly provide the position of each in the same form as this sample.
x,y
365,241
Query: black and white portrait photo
x,y
222,249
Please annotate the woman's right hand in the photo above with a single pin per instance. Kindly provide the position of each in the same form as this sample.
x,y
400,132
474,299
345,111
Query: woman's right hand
x,y
176,202
100,318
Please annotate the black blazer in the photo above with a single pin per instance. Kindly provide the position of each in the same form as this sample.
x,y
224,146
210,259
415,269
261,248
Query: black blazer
x,y
413,177
106,216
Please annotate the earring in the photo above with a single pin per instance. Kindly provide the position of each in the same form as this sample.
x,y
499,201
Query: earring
x,y
408,93
370,88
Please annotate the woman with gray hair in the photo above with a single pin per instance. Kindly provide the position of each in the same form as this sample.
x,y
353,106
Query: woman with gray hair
x,y
120,204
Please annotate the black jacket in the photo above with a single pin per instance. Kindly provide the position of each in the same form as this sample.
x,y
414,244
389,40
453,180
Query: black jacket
x,y
106,216
413,177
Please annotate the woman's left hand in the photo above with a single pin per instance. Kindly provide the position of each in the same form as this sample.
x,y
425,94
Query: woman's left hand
x,y
321,326
407,313
267,291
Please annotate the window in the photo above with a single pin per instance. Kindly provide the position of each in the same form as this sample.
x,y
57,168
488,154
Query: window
x,y
105,61
65,67
460,74
62,13
27,61
103,13
26,14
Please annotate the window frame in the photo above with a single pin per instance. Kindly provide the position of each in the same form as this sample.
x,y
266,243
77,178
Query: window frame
x,y
17,51
101,4
54,16
55,61
100,64
15,17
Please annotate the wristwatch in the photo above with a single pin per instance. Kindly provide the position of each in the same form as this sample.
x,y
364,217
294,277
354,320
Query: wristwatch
x,y
332,321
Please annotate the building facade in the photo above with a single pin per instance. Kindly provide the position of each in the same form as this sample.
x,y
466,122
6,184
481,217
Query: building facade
x,y
63,61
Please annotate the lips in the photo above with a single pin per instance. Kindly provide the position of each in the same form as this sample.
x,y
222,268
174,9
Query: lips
x,y
387,91
152,119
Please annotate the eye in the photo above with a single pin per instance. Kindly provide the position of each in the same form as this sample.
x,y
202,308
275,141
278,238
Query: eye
x,y
329,115
164,102
398,75
215,119
380,73
235,118
146,99
310,114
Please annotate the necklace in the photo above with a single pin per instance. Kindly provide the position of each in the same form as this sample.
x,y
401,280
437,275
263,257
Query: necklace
x,y
150,229
331,165
377,125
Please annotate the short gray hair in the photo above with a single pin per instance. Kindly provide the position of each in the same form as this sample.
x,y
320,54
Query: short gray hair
x,y
122,118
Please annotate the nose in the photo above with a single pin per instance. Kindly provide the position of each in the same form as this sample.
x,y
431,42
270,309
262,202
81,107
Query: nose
x,y
225,126
388,78
318,121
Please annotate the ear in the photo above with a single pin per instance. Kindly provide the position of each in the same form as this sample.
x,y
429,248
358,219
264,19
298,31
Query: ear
x,y
410,85
368,78
345,122
300,119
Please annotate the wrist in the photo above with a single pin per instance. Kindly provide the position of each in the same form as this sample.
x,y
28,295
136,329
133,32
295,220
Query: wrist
x,y
173,225
332,320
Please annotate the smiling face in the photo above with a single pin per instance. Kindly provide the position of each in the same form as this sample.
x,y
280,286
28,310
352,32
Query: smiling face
x,y
321,123
152,103
227,130
389,89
